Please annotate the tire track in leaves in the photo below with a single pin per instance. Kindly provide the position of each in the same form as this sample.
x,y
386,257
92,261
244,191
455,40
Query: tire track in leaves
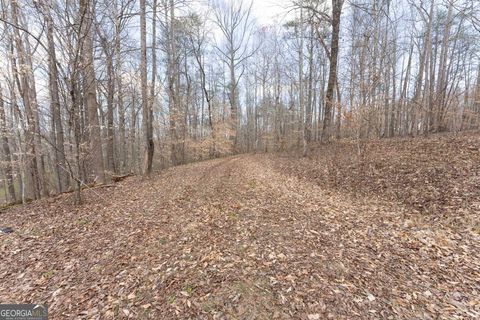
x,y
235,238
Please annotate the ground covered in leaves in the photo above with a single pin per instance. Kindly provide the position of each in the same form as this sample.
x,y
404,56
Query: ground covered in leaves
x,y
260,237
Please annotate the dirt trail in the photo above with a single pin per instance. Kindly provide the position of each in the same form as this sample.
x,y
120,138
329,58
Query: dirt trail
x,y
235,238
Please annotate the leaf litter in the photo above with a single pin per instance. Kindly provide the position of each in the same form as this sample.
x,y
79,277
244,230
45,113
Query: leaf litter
x,y
258,237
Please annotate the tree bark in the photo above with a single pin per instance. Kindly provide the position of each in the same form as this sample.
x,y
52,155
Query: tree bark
x,y
24,88
58,139
172,86
7,157
122,145
111,166
332,76
89,88
147,121
442,72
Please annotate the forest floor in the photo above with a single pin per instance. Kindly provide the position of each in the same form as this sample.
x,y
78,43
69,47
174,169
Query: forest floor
x,y
262,237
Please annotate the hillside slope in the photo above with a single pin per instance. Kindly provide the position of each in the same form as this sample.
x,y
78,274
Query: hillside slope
x,y
237,238
437,175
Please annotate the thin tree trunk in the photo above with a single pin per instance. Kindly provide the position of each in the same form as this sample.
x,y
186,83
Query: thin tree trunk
x,y
147,167
7,157
122,144
23,83
63,176
89,88
332,76
442,71
172,82
423,61
111,166
391,127
308,121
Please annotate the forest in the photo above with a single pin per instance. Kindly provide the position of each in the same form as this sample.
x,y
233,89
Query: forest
x,y
91,90
241,159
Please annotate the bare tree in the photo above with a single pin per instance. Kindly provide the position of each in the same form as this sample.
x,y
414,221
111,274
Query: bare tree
x,y
24,79
7,157
58,139
89,87
74,81
235,23
332,75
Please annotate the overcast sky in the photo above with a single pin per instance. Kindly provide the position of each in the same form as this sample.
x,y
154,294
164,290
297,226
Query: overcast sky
x,y
269,11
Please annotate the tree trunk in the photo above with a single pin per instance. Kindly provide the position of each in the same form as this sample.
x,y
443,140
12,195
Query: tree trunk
x,y
442,72
310,98
111,167
122,144
423,61
146,106
233,103
301,91
332,76
89,88
172,83
58,139
23,83
7,157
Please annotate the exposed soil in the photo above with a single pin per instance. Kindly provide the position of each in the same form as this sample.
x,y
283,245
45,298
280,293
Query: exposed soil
x,y
248,237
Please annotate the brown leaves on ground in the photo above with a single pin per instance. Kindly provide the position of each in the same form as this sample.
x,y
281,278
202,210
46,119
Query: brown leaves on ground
x,y
437,175
238,238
